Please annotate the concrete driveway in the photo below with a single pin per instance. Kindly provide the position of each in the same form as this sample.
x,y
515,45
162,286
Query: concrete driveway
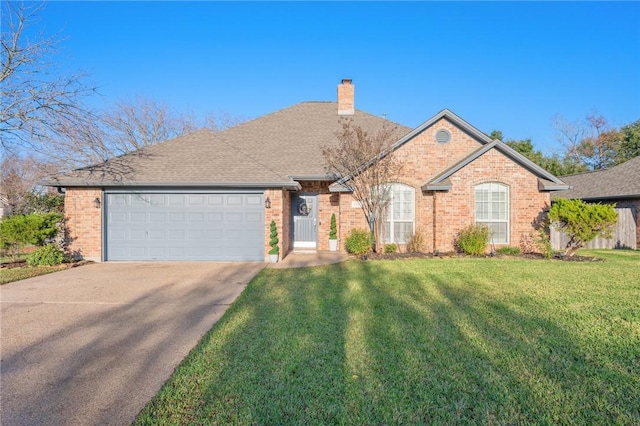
x,y
92,345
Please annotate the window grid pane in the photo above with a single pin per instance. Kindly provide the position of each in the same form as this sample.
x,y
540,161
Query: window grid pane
x,y
492,210
400,214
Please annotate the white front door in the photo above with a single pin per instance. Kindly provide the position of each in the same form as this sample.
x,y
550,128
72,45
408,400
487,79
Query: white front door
x,y
304,214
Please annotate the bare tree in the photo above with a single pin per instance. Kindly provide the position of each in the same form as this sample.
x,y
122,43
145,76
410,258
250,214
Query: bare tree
x,y
222,120
127,126
19,177
141,122
366,165
569,134
600,149
592,143
35,96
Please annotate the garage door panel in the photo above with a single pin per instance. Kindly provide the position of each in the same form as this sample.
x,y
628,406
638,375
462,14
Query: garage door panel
x,y
137,251
139,200
176,200
176,234
155,234
138,217
196,200
176,217
176,252
115,217
214,234
137,234
215,200
254,200
185,226
217,218
157,217
254,219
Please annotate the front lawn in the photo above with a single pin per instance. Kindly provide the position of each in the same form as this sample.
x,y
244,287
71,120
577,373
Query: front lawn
x,y
424,341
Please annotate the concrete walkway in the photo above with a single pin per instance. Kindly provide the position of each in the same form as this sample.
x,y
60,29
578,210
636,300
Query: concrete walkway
x,y
302,259
92,345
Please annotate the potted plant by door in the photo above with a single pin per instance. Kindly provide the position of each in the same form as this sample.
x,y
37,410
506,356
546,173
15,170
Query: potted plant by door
x,y
333,234
273,242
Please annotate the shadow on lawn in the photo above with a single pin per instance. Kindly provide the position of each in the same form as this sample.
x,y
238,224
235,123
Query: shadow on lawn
x,y
370,343
281,356
443,350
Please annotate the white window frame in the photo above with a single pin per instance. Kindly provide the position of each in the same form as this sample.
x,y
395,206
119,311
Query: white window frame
x,y
490,213
390,219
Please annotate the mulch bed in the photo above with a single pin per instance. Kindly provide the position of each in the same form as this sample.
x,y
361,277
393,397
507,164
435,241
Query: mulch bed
x,y
538,256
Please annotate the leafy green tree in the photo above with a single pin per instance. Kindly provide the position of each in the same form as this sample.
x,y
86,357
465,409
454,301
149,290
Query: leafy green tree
x,y
582,222
630,144
496,134
16,232
554,164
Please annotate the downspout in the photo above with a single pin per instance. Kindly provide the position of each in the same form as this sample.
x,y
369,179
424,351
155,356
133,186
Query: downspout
x,y
435,227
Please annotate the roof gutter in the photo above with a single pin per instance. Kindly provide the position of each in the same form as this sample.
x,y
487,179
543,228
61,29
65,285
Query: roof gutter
x,y
291,185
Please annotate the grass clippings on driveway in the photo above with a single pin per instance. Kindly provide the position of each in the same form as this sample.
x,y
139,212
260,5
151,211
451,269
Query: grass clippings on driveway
x,y
23,271
9,275
424,341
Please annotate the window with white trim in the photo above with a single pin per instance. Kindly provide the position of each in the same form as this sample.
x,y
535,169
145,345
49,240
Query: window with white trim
x,y
492,210
400,214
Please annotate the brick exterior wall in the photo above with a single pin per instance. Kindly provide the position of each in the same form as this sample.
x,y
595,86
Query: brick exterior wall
x,y
328,203
456,208
83,223
279,212
439,216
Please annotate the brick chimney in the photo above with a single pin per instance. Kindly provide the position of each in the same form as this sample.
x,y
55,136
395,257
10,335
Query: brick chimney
x,y
346,97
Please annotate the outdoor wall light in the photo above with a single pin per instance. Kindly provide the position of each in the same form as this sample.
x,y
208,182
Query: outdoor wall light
x,y
96,203
267,203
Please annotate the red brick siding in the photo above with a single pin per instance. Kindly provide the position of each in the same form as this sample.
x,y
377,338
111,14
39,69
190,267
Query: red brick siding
x,y
328,203
423,158
456,208
84,223
279,213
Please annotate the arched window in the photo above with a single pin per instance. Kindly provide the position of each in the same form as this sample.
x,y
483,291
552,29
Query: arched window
x,y
492,210
400,214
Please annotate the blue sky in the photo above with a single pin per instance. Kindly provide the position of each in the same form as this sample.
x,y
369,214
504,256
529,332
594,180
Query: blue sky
x,y
500,65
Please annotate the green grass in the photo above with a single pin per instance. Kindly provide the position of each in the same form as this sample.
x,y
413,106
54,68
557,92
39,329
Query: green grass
x,y
17,274
425,341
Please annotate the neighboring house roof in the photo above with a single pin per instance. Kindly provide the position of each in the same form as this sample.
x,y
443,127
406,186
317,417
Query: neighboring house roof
x,y
274,150
546,181
621,181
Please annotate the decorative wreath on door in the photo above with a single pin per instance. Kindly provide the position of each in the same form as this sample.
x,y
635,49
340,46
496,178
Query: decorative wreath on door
x,y
303,208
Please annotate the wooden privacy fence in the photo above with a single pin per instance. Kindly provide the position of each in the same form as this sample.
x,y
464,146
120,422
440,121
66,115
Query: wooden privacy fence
x,y
624,234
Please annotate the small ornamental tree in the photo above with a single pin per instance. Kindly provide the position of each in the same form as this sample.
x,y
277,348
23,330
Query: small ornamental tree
x,y
582,222
333,232
273,238
365,164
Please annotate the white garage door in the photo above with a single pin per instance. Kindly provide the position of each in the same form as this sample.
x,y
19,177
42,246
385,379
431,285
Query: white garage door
x,y
184,226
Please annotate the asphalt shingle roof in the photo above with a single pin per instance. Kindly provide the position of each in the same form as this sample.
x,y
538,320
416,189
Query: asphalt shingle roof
x,y
271,150
621,181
